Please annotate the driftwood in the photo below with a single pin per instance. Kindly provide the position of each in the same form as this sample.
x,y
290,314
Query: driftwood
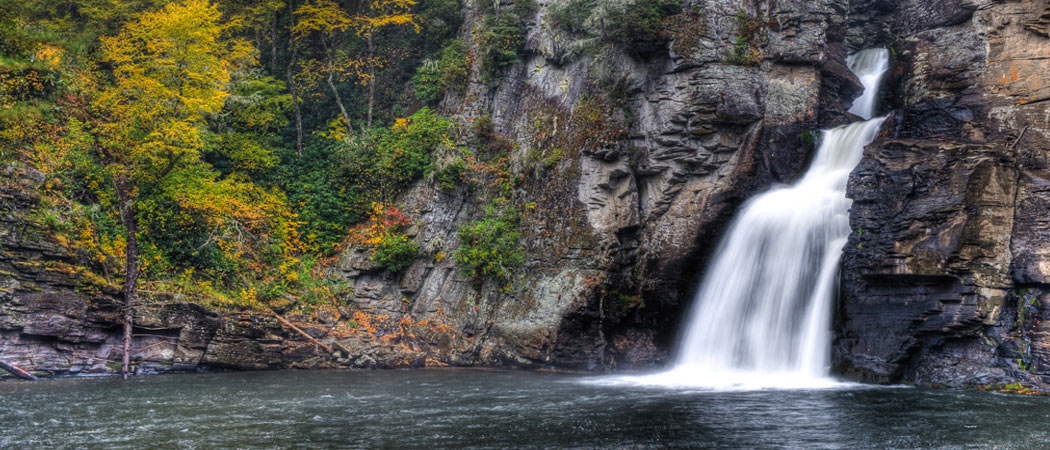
x,y
297,329
16,371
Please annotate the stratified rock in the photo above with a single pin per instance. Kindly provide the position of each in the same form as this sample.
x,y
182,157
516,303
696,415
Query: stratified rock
x,y
945,272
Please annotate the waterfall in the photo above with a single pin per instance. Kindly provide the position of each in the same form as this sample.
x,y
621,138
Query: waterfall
x,y
762,315
869,65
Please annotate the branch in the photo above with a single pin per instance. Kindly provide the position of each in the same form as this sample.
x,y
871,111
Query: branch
x,y
293,327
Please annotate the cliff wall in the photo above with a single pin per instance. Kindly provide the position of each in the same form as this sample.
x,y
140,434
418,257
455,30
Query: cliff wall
x,y
946,273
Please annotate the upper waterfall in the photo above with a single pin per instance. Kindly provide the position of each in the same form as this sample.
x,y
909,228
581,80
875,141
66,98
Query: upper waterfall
x,y
762,315
869,66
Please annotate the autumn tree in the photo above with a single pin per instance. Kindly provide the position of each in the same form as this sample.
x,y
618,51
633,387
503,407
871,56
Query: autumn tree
x,y
329,21
171,69
381,14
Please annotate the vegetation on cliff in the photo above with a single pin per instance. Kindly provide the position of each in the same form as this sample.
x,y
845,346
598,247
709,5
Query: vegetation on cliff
x,y
224,149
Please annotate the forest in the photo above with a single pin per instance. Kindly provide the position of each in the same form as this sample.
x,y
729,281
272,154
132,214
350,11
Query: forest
x,y
224,150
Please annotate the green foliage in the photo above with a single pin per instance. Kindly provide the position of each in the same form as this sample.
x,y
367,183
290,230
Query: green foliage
x,y
383,163
745,50
571,15
500,40
441,21
809,137
451,71
246,131
489,247
227,210
638,23
324,201
426,83
333,183
448,178
525,9
395,252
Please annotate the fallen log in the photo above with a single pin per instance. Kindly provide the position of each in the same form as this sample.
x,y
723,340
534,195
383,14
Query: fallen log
x,y
300,331
16,371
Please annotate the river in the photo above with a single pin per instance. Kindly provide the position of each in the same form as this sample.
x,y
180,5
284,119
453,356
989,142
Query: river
x,y
498,409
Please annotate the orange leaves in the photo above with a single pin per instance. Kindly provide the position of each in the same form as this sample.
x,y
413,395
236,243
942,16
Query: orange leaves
x,y
383,221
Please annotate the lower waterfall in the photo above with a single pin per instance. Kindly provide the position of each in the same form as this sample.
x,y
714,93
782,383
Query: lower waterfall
x,y
762,315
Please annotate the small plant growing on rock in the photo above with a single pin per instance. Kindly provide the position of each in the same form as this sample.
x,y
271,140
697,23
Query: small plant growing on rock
x,y
500,39
449,72
489,247
395,252
745,50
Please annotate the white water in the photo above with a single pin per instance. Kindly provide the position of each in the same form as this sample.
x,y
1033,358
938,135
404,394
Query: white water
x,y
869,65
762,316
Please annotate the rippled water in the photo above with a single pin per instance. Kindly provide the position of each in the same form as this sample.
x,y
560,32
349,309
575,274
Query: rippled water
x,y
461,408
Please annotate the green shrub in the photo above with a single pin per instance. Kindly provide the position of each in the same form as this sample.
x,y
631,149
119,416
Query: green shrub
x,y
450,176
395,252
381,164
500,41
326,203
333,183
451,71
571,15
426,83
638,24
489,248
745,50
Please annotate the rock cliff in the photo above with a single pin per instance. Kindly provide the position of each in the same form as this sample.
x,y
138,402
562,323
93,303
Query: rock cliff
x,y
618,228
626,163
946,274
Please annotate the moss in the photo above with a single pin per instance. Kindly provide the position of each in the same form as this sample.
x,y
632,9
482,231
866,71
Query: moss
x,y
809,137
1012,388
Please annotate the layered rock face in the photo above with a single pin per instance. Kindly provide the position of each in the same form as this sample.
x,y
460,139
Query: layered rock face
x,y
628,162
617,232
645,151
947,273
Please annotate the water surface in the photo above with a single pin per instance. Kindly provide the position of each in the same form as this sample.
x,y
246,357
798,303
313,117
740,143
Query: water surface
x,y
483,409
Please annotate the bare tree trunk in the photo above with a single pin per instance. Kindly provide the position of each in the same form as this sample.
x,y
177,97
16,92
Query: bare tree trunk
x,y
131,256
330,49
273,42
371,79
339,101
291,85
295,101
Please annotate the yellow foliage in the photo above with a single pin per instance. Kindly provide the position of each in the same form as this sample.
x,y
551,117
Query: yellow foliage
x,y
50,55
171,69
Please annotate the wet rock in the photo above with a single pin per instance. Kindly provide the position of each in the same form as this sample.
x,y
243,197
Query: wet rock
x,y
943,272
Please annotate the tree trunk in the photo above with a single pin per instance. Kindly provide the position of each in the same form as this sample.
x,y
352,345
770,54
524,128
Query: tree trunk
x,y
17,371
371,79
330,49
291,82
295,100
339,101
273,42
131,256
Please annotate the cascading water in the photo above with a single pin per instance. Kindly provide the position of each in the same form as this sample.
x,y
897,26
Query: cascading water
x,y
869,65
762,316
